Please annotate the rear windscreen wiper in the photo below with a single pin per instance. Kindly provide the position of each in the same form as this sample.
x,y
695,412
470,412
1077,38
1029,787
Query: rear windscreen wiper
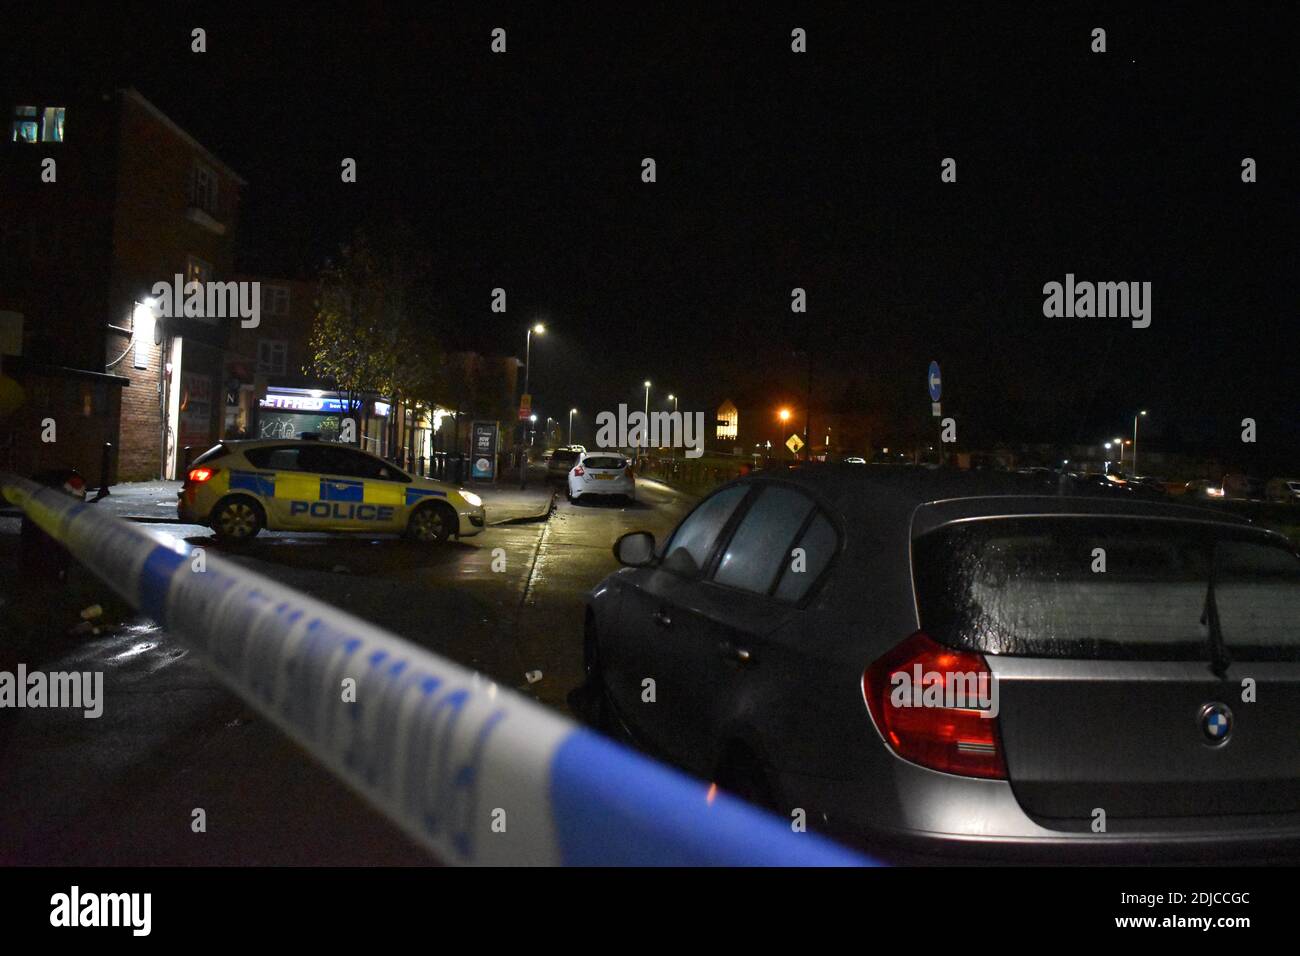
x,y
1219,659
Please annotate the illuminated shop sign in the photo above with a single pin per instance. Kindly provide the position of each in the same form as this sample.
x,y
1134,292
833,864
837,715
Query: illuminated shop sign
x,y
303,403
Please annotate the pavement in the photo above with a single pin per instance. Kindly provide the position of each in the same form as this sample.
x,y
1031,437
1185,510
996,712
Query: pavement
x,y
122,788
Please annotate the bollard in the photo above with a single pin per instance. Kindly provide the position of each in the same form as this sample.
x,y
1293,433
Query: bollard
x,y
105,462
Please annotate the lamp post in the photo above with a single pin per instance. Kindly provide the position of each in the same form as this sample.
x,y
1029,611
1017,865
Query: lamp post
x,y
673,398
1120,443
528,368
572,412
784,415
1134,463
645,434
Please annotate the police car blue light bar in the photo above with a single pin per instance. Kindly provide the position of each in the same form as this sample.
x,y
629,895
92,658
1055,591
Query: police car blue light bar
x,y
473,771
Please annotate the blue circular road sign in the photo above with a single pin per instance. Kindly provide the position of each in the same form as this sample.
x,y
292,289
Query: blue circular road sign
x,y
935,382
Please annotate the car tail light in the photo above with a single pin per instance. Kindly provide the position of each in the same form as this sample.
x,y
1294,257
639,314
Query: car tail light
x,y
629,472
199,475
958,740
578,472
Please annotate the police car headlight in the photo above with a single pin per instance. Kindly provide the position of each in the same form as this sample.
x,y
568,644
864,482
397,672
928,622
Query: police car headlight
x,y
474,500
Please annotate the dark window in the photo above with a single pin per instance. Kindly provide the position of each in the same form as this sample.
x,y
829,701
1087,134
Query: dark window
x,y
691,544
271,356
819,543
761,544
283,458
604,462
331,459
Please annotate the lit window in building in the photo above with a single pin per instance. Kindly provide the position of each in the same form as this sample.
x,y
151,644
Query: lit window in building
x,y
52,127
35,124
197,270
25,130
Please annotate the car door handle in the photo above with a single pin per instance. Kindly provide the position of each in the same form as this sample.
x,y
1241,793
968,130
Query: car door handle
x,y
662,619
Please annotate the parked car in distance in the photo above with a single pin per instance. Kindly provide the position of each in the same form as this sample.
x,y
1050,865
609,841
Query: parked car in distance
x,y
561,461
1243,486
1202,488
1286,490
603,473
239,487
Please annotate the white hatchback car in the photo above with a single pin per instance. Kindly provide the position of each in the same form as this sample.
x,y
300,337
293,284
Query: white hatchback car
x,y
601,473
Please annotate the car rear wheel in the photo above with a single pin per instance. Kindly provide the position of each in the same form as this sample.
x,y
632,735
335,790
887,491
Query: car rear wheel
x,y
237,519
430,524
589,700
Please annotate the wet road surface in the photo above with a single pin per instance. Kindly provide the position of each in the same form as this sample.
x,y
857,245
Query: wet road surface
x,y
122,788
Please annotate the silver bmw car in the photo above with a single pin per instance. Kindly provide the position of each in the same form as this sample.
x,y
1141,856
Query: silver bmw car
x,y
940,666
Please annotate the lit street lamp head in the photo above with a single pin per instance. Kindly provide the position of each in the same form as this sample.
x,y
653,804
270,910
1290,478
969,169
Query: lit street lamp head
x,y
538,329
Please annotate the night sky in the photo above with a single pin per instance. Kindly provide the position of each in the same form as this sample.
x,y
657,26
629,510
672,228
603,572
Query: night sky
x,y
778,170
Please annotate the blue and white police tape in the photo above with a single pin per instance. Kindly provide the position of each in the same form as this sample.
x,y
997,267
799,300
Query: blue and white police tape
x,y
473,771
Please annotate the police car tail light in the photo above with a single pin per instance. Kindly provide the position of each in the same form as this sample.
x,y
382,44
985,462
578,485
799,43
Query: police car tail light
x,y
932,704
199,475
628,471
578,472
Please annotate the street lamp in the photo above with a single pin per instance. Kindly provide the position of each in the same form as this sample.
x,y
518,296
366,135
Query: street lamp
x,y
572,412
1120,443
528,368
645,435
1135,442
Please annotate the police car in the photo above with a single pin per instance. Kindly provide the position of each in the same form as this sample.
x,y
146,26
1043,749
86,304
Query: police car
x,y
240,487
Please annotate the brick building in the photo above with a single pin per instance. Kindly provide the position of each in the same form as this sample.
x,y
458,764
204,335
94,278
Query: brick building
x,y
130,200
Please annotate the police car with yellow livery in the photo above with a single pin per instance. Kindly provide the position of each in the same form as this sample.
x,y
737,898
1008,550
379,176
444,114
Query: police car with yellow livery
x,y
240,487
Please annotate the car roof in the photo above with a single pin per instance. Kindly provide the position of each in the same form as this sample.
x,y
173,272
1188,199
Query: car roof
x,y
879,490
243,444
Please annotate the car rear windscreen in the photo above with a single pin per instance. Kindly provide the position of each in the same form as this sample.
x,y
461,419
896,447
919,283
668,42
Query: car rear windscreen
x,y
604,461
562,455
1101,587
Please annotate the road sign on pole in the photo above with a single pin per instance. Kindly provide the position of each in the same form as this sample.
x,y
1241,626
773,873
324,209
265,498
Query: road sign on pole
x,y
935,382
794,443
525,406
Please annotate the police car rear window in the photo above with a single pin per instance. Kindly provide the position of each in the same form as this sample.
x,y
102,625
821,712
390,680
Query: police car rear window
x,y
274,459
1110,588
604,461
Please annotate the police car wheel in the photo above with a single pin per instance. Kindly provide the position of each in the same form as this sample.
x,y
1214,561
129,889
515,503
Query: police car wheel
x,y
237,519
429,525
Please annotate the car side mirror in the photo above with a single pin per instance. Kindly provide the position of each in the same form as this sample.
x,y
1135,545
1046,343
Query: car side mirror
x,y
636,549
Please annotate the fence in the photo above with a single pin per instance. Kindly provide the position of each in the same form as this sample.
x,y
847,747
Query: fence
x,y
470,770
